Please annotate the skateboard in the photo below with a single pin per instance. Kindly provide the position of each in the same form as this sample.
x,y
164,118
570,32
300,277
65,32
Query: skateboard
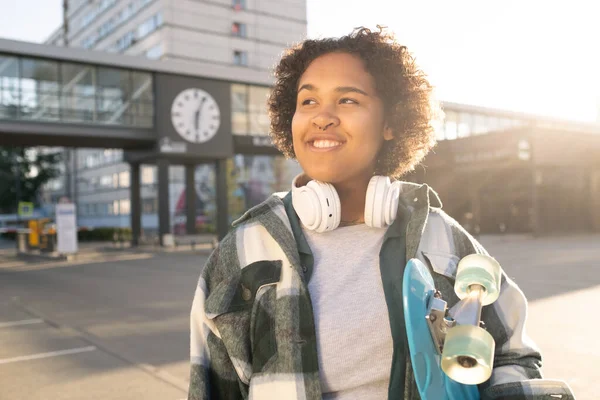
x,y
450,354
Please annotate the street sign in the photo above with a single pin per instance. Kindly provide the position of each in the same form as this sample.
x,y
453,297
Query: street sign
x,y
66,228
25,209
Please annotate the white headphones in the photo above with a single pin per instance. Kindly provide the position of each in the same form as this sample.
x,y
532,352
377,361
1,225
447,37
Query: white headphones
x,y
318,204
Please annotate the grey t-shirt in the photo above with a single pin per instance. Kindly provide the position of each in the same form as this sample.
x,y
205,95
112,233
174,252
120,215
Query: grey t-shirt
x,y
354,340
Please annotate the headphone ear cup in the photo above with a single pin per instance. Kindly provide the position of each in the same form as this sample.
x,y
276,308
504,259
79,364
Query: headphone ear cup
x,y
369,201
306,204
375,202
391,203
329,205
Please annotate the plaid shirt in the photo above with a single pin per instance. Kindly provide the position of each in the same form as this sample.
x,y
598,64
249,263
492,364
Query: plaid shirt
x,y
252,322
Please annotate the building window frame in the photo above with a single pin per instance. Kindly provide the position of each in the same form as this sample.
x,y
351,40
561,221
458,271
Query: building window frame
x,y
239,29
240,57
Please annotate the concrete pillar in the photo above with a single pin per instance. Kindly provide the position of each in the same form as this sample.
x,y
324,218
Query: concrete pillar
x,y
136,203
164,220
222,200
190,200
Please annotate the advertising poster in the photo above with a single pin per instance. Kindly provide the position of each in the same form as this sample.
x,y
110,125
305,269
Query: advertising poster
x,y
66,228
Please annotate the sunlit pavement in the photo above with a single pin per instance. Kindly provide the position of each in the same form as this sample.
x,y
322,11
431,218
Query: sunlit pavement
x,y
116,327
561,278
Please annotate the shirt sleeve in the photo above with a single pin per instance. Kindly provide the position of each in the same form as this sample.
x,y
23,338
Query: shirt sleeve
x,y
517,361
212,375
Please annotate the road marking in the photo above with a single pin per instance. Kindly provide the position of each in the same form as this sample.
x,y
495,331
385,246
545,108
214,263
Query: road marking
x,y
47,355
22,322
75,263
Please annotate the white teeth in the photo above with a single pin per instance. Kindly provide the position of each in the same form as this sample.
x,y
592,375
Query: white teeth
x,y
326,143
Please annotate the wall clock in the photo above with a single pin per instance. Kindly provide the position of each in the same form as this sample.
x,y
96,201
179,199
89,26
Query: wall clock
x,y
195,115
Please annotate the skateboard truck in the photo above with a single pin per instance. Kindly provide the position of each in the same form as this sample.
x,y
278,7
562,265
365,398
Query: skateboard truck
x,y
467,349
440,320
437,321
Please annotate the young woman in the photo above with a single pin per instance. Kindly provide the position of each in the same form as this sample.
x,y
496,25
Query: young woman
x,y
302,299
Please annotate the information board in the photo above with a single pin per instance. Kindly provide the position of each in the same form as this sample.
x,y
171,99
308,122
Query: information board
x,y
66,228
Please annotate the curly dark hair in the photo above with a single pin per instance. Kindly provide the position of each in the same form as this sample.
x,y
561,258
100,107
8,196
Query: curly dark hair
x,y
402,86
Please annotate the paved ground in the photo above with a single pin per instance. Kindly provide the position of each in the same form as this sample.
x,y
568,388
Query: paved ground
x,y
126,321
115,326
561,278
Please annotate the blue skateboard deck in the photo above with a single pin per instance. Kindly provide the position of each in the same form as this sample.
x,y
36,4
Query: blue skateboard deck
x,y
433,384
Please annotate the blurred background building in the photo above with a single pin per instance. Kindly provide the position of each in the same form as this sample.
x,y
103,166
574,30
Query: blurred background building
x,y
496,171
248,34
506,172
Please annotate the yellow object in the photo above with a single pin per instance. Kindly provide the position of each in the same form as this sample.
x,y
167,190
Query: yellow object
x,y
34,233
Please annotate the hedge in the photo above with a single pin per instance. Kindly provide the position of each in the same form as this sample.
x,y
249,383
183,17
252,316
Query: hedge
x,y
92,235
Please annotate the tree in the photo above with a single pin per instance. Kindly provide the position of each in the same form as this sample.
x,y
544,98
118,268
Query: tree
x,y
24,170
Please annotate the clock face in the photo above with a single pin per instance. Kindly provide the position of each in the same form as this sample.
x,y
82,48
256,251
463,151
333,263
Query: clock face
x,y
195,115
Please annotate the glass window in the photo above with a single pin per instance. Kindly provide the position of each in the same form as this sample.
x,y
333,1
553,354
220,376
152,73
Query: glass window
x,y
451,125
115,180
149,26
438,127
259,117
78,92
240,57
124,207
124,179
9,87
480,124
239,109
39,89
108,155
113,90
46,90
150,206
106,181
140,110
155,52
113,208
238,4
238,29
494,123
147,175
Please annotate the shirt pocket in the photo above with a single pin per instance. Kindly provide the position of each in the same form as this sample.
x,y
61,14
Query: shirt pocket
x,y
443,268
241,308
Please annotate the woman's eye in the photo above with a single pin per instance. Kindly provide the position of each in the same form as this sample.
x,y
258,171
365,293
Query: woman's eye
x,y
346,100
308,102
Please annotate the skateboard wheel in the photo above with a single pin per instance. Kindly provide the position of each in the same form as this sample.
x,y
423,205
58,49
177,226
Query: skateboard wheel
x,y
468,354
479,269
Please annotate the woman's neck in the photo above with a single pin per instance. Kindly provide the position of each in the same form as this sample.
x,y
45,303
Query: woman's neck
x,y
352,200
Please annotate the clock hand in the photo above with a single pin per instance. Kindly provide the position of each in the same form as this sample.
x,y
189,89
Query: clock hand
x,y
198,114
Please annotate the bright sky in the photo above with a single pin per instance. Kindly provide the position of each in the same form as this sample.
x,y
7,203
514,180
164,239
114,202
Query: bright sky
x,y
536,56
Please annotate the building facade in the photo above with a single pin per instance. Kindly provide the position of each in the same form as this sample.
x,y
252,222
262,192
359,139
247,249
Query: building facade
x,y
249,35
504,172
496,171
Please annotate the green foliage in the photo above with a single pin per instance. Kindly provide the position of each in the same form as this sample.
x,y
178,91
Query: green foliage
x,y
8,235
27,169
104,234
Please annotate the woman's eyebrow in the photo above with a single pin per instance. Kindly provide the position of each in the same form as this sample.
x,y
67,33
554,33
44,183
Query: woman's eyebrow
x,y
339,89
349,89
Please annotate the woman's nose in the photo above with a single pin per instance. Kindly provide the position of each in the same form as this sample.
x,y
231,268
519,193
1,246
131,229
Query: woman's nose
x,y
325,120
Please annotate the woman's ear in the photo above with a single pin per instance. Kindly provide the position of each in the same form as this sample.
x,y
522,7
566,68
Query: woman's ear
x,y
387,132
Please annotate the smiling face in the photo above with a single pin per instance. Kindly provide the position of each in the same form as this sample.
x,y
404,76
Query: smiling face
x,y
338,126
